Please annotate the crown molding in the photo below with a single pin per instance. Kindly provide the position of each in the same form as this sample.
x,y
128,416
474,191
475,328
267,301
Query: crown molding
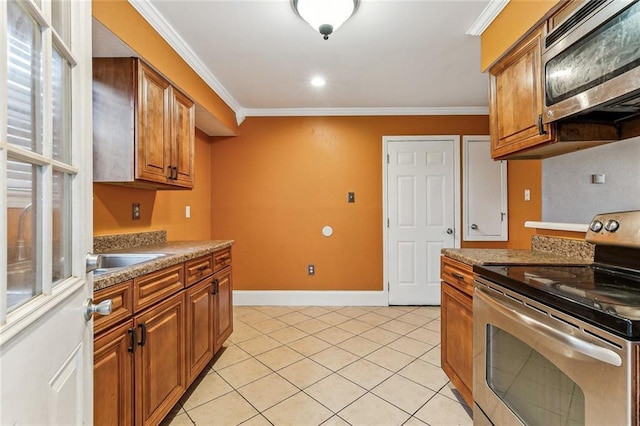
x,y
486,17
326,112
157,21
168,33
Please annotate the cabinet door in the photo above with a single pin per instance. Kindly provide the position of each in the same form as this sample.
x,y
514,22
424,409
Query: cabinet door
x,y
154,131
457,340
200,331
113,377
183,139
223,307
516,100
160,360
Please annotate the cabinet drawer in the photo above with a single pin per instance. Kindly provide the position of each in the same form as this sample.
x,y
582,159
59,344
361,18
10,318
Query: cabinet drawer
x,y
221,259
121,296
457,274
153,287
199,268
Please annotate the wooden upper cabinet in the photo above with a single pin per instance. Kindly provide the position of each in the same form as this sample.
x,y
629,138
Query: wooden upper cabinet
x,y
154,131
144,128
183,135
516,99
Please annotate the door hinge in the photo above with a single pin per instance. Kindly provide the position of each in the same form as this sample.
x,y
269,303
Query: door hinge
x,y
388,286
388,223
388,160
502,215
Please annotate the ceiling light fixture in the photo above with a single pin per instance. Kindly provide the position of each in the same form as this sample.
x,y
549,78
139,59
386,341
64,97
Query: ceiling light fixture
x,y
325,16
318,81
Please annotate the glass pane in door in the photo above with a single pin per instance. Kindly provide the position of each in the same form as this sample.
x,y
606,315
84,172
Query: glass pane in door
x,y
61,108
61,262
537,391
23,270
24,79
60,16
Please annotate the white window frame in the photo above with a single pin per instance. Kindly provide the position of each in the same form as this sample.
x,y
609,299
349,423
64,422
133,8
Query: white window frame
x,y
14,322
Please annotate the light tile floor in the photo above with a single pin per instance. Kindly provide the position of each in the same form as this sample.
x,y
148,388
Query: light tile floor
x,y
326,366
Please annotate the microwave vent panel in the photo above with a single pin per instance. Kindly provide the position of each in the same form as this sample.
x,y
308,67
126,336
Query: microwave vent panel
x,y
573,21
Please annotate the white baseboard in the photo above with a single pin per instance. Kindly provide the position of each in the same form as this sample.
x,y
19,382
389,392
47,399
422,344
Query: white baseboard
x,y
309,298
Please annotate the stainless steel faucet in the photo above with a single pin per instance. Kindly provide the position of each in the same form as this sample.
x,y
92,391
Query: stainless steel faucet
x,y
20,240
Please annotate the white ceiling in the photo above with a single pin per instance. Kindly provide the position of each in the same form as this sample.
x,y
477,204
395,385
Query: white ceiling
x,y
391,57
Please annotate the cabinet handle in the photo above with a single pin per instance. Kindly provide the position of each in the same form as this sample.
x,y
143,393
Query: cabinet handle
x,y
457,276
175,173
170,172
214,287
143,334
541,130
134,340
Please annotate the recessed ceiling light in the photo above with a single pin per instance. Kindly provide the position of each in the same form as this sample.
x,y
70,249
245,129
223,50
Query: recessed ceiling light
x,y
318,81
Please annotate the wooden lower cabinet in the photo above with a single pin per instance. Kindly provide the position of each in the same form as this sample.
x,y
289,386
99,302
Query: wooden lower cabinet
x,y
160,378
158,342
223,321
113,377
457,326
200,327
457,340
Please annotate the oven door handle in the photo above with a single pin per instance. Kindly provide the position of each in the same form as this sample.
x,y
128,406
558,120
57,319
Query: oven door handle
x,y
512,311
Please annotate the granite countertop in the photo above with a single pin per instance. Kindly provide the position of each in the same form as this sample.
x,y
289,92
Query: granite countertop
x,y
176,252
512,257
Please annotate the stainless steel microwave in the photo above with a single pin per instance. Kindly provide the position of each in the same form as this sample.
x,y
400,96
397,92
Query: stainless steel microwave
x,y
591,63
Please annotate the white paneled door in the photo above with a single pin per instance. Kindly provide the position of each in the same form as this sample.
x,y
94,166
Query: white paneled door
x,y
421,188
46,345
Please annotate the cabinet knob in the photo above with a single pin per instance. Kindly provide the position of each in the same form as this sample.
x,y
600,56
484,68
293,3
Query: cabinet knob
x,y
103,308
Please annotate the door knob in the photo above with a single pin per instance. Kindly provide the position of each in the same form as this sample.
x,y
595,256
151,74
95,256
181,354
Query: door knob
x,y
449,231
92,262
103,308
474,226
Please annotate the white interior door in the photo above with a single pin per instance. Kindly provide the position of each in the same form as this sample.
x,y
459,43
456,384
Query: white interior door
x,y
484,190
46,346
421,193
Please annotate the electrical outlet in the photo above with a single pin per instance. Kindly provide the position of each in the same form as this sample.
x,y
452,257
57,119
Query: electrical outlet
x,y
135,211
311,270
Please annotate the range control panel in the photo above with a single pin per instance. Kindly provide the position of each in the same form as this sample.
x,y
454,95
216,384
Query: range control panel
x,y
617,229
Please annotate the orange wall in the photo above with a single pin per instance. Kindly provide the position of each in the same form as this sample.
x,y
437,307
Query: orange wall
x,y
282,179
515,20
128,25
160,209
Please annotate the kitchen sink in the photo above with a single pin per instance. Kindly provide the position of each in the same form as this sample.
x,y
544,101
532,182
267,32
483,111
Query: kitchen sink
x,y
109,262
21,277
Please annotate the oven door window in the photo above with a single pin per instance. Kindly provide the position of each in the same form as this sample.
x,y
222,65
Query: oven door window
x,y
529,384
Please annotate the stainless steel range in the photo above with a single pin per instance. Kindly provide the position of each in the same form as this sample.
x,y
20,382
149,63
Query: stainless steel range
x,y
560,345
